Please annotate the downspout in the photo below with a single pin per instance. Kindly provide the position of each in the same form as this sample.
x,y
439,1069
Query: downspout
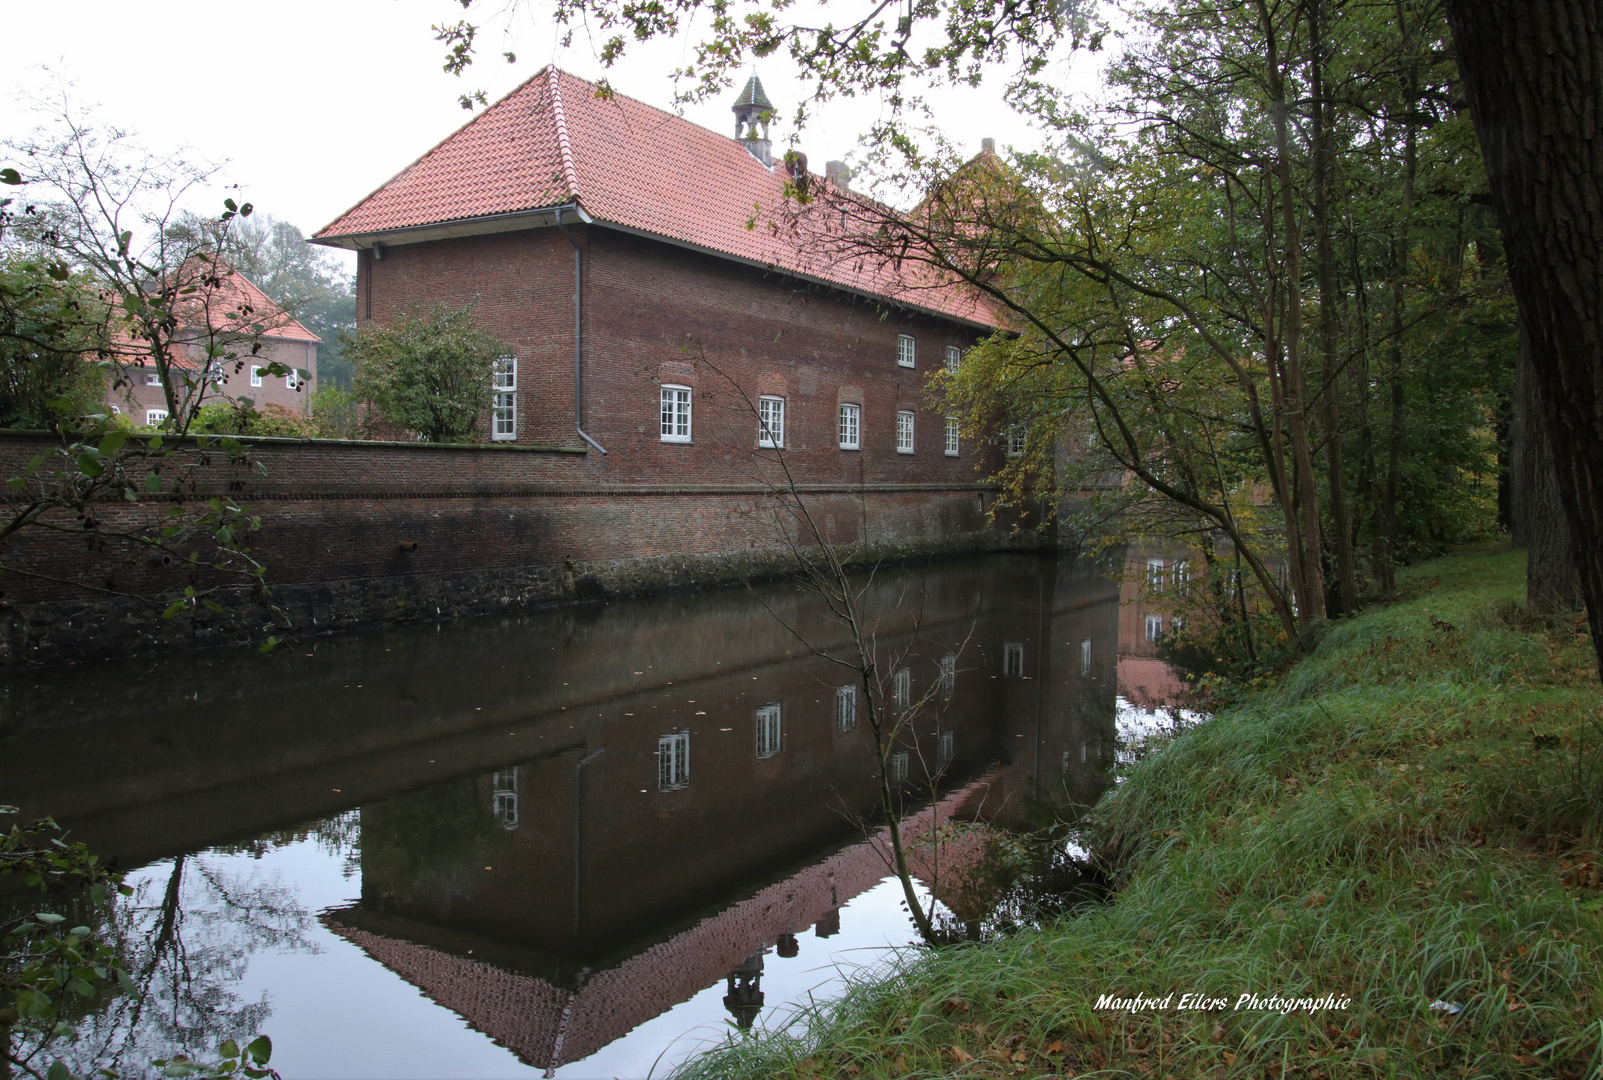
x,y
578,325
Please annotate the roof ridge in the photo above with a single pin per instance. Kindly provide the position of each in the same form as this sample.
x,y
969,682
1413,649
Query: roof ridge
x,y
563,145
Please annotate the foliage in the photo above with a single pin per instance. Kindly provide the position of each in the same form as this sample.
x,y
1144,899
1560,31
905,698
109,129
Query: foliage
x,y
243,418
1338,833
337,413
50,320
428,371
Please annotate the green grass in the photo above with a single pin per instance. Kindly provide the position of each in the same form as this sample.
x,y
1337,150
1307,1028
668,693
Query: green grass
x,y
1411,814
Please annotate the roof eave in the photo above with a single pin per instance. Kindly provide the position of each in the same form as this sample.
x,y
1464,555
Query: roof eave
x,y
535,218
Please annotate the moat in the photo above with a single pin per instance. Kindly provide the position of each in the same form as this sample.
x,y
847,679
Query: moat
x,y
578,842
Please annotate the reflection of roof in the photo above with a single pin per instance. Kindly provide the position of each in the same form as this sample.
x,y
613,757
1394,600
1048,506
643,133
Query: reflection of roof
x,y
1147,682
554,142
547,1026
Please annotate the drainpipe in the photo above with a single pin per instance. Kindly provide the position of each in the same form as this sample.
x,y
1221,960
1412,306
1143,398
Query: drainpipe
x,y
578,326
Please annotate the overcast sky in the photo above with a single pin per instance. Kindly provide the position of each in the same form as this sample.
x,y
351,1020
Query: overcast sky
x,y
314,103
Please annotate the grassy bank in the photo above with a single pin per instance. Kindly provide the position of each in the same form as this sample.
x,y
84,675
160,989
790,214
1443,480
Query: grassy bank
x,y
1408,817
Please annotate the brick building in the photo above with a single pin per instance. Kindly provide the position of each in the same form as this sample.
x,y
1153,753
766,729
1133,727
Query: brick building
x,y
659,293
229,314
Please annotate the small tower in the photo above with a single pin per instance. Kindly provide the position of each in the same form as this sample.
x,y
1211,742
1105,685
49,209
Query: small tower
x,y
752,111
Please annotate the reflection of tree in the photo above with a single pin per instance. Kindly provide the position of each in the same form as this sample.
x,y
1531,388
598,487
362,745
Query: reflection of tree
x,y
428,850
185,937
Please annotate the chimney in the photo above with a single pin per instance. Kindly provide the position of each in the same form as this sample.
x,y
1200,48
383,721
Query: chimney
x,y
838,174
987,146
752,111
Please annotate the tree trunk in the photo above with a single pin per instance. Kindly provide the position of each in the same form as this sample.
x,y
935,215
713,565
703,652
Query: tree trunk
x,y
1346,594
1533,72
1552,584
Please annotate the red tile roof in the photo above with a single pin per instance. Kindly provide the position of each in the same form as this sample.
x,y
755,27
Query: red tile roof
x,y
552,142
238,291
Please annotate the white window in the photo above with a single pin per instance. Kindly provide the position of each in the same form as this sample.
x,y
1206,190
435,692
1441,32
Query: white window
x,y
1154,573
1085,657
845,708
948,675
904,350
1154,627
851,417
154,416
504,786
1177,623
902,688
152,378
904,432
1017,436
292,381
215,372
115,411
255,376
675,413
1180,576
768,733
951,436
943,756
896,768
771,422
954,357
1013,659
673,761
504,401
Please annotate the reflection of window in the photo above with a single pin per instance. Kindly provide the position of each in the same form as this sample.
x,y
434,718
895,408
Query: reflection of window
x,y
1085,657
954,357
771,422
845,708
504,785
904,432
768,733
1154,627
902,688
154,416
673,761
904,350
1013,659
850,420
943,756
676,414
896,768
948,675
504,402
952,431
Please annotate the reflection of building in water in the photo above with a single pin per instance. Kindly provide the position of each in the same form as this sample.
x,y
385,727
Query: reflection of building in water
x,y
745,997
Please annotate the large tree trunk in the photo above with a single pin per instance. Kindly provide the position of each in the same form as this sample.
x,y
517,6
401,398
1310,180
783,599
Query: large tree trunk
x,y
1533,70
1537,515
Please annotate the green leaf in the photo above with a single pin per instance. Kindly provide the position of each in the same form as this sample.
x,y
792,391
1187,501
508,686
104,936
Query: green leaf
x,y
89,465
173,609
155,442
260,1049
59,1071
230,1048
112,443
126,983
153,483
10,176
213,606
50,918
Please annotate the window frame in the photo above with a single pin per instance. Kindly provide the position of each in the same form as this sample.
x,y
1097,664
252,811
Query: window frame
x,y
674,749
954,429
770,435
1085,657
292,381
770,730
902,689
1013,659
1018,440
906,350
954,359
256,375
154,417
504,400
153,378
663,407
855,412
1154,628
909,429
948,676
845,708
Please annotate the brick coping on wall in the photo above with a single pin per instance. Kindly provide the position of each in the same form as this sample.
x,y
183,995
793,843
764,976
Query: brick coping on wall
x,y
285,440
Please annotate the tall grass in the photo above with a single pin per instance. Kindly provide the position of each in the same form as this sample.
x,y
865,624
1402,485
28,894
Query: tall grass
x,y
1409,817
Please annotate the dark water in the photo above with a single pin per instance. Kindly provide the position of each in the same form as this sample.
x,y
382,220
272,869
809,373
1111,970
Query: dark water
x,y
586,840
